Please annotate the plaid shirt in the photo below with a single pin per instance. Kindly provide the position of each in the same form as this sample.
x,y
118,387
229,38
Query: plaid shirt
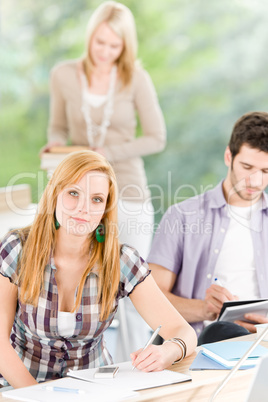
x,y
35,335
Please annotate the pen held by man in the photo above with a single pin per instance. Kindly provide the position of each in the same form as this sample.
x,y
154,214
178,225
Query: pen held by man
x,y
215,296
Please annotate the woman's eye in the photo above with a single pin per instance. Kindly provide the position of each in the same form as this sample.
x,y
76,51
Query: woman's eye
x,y
97,199
74,193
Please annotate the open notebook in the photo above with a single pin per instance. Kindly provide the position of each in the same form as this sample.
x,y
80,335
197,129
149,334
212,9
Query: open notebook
x,y
92,392
132,379
121,387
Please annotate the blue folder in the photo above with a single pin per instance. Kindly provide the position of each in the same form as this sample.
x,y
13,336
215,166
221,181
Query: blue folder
x,y
202,362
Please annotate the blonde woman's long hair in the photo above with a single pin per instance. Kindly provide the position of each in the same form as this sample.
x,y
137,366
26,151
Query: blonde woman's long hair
x,y
121,21
39,238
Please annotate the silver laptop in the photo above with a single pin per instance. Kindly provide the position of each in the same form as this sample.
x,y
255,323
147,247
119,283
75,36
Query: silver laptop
x,y
258,391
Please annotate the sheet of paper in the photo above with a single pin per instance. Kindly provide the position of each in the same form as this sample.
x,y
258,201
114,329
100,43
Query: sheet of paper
x,y
133,379
93,392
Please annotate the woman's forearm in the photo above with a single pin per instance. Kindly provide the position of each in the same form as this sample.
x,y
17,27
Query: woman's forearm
x,y
12,368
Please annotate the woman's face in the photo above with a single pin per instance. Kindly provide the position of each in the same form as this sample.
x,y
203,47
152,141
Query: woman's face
x,y
106,46
81,206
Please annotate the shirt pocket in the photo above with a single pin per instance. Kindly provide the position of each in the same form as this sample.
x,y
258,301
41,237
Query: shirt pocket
x,y
27,314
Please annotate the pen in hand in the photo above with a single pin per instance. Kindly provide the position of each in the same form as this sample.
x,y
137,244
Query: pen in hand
x,y
218,282
230,297
150,341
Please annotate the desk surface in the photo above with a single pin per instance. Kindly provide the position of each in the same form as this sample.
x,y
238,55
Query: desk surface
x,y
202,385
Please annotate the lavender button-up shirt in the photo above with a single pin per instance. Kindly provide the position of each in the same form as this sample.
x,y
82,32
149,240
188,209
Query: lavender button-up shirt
x,y
190,237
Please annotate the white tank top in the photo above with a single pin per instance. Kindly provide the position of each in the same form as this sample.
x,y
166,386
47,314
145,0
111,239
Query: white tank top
x,y
66,323
95,100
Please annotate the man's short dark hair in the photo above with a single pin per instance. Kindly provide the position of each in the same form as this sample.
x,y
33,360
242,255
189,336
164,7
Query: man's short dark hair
x,y
252,130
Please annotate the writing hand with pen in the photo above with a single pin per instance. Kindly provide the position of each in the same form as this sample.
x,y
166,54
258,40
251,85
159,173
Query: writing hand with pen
x,y
216,295
154,357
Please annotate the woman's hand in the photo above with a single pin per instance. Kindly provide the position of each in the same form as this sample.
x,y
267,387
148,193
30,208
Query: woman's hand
x,y
46,148
156,357
100,151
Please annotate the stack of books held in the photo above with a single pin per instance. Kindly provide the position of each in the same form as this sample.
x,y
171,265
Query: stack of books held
x,y
50,160
229,353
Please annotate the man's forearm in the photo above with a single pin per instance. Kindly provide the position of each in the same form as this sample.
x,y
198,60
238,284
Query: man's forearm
x,y
191,309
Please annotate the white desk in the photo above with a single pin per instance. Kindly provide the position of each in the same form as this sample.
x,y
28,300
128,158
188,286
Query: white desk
x,y
202,385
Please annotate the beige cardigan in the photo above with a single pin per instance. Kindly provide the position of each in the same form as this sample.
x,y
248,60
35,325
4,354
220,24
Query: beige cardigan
x,y
122,148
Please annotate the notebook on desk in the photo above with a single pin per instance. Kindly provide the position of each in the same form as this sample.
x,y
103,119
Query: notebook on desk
x,y
133,380
66,389
229,353
203,362
258,387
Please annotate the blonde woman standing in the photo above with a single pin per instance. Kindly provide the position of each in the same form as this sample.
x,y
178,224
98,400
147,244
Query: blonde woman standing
x,y
62,277
94,102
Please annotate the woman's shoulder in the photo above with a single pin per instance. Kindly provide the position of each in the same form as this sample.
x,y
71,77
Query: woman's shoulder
x,y
10,245
141,78
127,251
139,72
65,67
10,248
130,257
133,269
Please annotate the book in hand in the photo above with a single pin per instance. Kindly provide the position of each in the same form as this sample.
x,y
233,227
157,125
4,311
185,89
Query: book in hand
x,y
228,353
236,309
50,160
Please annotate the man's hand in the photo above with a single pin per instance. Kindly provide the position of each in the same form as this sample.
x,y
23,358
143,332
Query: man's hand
x,y
255,318
215,297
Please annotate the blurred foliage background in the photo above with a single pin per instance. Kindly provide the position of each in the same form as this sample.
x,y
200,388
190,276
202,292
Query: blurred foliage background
x,y
208,60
